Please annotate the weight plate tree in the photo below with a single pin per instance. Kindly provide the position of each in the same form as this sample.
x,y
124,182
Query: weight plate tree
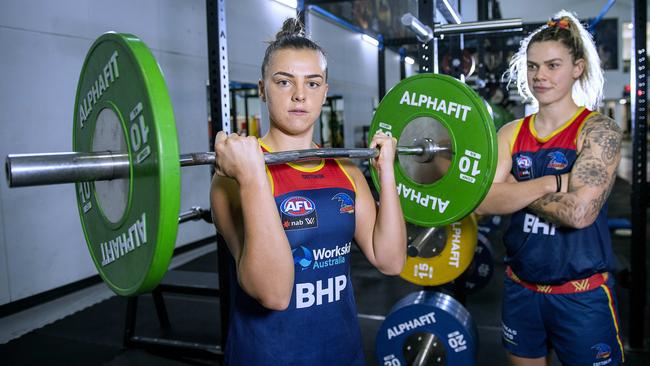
x,y
479,273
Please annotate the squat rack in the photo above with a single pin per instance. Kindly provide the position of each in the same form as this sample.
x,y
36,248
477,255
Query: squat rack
x,y
219,108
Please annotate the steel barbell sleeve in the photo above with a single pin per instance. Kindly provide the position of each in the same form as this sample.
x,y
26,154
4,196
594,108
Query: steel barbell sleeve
x,y
425,235
68,167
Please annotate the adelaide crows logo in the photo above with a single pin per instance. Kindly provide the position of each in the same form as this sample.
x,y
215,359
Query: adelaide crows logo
x,y
602,350
558,160
347,204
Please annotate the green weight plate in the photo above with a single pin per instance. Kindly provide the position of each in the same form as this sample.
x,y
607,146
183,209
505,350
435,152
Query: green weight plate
x,y
122,104
450,113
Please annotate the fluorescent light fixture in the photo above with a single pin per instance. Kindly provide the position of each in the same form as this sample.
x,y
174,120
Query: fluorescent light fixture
x,y
370,40
290,3
419,28
409,60
451,11
423,32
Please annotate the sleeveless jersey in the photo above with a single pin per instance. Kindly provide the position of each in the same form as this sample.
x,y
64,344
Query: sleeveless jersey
x,y
320,326
539,251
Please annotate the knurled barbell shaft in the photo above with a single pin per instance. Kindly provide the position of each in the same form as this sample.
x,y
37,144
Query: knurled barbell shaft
x,y
69,167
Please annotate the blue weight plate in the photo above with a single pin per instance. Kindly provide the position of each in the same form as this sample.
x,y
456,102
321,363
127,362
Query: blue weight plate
x,y
430,328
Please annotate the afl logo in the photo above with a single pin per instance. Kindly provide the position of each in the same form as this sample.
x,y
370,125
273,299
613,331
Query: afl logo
x,y
297,206
524,162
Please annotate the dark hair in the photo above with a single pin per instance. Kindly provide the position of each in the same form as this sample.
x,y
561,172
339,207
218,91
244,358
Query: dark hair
x,y
564,31
291,35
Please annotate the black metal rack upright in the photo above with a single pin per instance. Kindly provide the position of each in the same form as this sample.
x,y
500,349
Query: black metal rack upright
x,y
639,197
426,15
220,121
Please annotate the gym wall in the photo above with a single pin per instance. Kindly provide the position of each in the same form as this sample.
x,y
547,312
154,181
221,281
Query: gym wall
x,y
392,62
248,33
352,65
44,44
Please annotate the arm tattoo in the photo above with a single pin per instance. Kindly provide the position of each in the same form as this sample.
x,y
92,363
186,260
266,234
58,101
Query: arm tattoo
x,y
592,176
592,172
558,208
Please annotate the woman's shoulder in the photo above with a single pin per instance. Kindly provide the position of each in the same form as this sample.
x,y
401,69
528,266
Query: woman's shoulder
x,y
349,166
597,121
509,128
512,124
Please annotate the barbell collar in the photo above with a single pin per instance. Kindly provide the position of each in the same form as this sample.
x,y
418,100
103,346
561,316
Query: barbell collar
x,y
193,214
69,167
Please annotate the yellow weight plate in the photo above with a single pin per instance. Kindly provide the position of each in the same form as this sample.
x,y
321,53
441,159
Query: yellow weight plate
x,y
449,262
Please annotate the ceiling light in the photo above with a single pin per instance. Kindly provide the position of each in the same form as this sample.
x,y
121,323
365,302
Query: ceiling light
x,y
290,3
423,32
370,40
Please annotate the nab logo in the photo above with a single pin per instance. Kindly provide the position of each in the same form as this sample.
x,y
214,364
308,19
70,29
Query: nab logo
x,y
302,257
558,160
297,206
602,350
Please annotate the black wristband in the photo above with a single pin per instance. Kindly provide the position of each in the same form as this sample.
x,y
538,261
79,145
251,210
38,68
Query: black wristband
x,y
558,181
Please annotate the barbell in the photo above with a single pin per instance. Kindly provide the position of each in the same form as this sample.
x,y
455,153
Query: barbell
x,y
125,161
70,167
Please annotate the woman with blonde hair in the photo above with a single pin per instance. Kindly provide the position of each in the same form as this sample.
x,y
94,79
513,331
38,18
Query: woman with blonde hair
x,y
555,171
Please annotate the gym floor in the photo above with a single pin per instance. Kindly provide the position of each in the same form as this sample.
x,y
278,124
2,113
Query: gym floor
x,y
93,336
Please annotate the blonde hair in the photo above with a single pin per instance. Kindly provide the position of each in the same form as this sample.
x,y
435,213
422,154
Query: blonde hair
x,y
565,28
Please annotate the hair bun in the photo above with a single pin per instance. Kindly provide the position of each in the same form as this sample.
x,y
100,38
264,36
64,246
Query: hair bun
x,y
291,27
